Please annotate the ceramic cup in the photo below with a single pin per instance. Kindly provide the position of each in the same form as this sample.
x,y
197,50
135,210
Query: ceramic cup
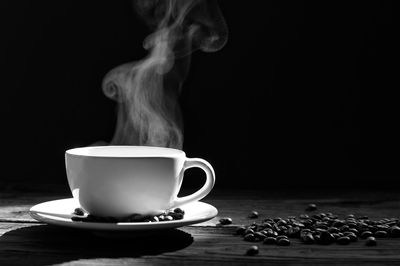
x,y
119,181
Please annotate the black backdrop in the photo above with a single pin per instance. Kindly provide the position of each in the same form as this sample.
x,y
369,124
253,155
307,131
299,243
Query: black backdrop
x,y
304,93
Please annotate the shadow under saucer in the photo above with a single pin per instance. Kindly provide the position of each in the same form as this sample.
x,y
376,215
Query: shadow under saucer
x,y
47,244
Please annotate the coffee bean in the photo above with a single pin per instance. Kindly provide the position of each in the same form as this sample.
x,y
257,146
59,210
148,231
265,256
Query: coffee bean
x,y
293,232
78,219
311,207
326,238
267,225
282,228
240,230
91,218
298,224
380,234
317,239
352,236
344,240
308,239
333,230
338,223
253,215
304,216
352,225
259,236
249,231
344,228
321,228
253,250
316,217
281,237
308,223
179,210
168,218
365,234
355,231
225,221
269,240
371,241
281,223
268,220
382,227
283,242
177,216
253,226
326,219
249,238
79,211
394,231
271,233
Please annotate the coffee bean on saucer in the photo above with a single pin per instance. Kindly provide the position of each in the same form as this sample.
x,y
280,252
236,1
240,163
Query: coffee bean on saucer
x,y
179,210
79,211
253,250
78,219
177,216
168,218
225,221
253,215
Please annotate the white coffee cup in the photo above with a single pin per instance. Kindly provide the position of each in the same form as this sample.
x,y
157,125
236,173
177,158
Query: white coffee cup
x,y
118,181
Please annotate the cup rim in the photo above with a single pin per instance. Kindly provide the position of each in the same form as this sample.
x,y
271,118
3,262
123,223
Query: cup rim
x,y
163,152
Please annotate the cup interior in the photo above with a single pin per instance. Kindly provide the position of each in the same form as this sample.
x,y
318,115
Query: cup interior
x,y
125,151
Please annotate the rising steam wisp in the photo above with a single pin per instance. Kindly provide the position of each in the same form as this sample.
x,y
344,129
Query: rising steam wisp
x,y
147,91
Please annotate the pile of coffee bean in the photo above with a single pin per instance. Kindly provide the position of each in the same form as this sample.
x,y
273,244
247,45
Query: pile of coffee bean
x,y
320,228
175,214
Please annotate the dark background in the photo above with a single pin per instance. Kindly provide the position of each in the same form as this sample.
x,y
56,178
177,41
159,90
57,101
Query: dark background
x,y
304,92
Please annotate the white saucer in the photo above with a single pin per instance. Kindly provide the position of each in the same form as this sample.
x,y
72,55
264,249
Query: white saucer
x,y
58,212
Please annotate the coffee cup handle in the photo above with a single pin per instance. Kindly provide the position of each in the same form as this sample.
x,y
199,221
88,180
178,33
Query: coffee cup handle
x,y
208,185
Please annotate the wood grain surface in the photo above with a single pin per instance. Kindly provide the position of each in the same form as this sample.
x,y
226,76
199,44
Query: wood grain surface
x,y
24,241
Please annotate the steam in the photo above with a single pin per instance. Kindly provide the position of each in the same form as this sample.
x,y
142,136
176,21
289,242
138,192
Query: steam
x,y
147,91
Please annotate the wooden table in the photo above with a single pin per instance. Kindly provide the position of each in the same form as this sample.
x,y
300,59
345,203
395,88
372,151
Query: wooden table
x,y
24,241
